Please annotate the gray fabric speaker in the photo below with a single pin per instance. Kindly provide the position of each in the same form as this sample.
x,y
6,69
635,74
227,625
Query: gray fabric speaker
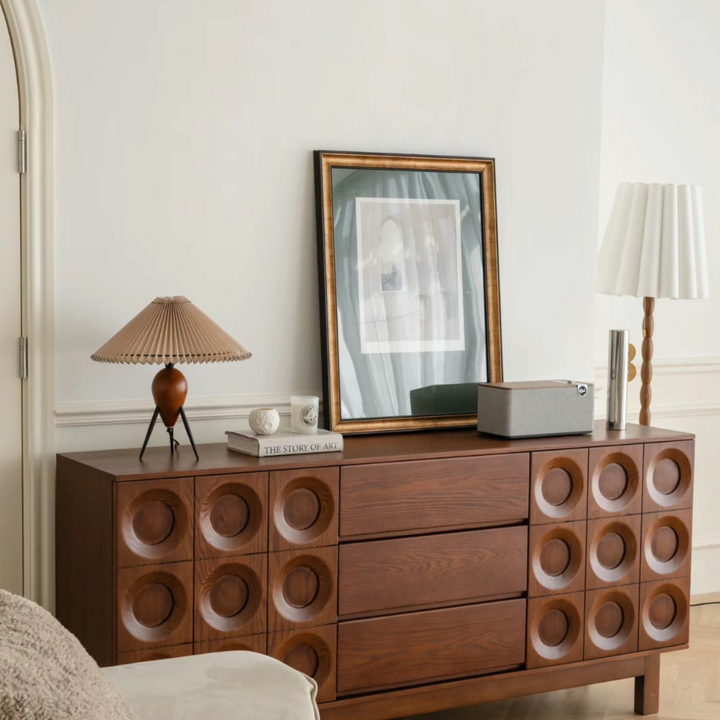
x,y
535,409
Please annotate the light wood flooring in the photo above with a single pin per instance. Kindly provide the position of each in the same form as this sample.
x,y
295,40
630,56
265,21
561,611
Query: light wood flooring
x,y
689,690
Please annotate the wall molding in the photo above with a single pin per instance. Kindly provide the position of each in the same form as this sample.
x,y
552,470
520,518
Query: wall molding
x,y
129,412
706,542
233,407
666,370
680,366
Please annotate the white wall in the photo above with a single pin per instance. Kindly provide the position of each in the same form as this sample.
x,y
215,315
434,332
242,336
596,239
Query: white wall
x,y
184,133
660,123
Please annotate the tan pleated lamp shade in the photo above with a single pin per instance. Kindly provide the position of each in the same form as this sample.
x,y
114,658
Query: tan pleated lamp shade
x,y
171,330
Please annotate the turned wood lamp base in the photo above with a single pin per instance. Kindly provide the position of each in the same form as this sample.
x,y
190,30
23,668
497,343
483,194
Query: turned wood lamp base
x,y
646,372
169,389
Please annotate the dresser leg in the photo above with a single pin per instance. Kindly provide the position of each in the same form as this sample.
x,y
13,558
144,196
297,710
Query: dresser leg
x,y
647,687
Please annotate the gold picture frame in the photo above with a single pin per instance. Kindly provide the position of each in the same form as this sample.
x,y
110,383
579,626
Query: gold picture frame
x,y
325,163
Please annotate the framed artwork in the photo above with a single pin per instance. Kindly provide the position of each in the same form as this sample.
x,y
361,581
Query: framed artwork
x,y
409,289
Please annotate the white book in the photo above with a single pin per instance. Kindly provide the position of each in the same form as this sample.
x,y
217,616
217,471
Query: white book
x,y
284,442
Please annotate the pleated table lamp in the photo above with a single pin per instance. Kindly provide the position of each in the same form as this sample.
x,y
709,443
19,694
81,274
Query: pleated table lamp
x,y
654,247
170,331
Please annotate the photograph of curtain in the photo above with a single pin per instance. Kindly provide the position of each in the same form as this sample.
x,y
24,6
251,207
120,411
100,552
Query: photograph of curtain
x,y
375,385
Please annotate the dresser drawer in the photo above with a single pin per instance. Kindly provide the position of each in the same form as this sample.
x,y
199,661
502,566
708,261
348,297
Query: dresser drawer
x,y
386,575
427,646
433,494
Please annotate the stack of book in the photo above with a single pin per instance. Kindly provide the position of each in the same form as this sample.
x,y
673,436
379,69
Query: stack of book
x,y
284,442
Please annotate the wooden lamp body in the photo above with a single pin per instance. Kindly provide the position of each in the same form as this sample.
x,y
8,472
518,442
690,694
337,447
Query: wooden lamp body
x,y
169,389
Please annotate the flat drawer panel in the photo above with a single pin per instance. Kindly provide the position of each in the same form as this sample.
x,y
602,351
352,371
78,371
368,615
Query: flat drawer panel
x,y
427,646
409,496
385,575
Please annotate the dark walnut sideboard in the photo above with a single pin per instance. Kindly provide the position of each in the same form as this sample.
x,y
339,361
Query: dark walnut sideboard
x,y
408,574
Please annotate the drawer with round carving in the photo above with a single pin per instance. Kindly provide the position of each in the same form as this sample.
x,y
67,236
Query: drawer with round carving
x,y
302,588
614,486
611,621
557,558
154,654
154,606
249,643
231,515
304,508
666,545
668,476
555,630
558,486
230,597
664,613
154,521
613,551
311,652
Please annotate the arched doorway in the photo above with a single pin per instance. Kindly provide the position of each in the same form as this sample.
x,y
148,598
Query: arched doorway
x,y
34,87
11,515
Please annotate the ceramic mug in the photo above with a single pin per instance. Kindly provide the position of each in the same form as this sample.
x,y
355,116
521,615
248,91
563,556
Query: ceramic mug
x,y
304,411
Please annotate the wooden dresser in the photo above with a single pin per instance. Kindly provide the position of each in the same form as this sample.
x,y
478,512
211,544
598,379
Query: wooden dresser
x,y
408,574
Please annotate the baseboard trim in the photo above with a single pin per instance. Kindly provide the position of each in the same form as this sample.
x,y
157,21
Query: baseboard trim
x,y
705,561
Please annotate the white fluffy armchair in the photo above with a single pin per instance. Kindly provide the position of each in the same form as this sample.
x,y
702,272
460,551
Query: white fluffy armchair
x,y
46,674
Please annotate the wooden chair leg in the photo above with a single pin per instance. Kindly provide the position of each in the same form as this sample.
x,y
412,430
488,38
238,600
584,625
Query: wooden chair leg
x,y
647,687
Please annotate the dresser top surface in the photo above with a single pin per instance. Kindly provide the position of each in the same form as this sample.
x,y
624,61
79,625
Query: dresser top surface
x,y
215,458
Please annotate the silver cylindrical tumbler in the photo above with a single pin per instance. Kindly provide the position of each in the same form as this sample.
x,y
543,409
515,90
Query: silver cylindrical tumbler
x,y
617,380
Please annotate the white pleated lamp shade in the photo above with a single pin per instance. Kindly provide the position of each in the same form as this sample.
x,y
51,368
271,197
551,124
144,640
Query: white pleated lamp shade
x,y
171,330
654,244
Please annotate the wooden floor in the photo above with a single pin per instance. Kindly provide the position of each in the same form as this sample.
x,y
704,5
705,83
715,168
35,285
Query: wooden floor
x,y
690,687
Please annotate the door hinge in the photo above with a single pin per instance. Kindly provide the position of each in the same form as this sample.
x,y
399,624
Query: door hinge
x,y
22,152
23,358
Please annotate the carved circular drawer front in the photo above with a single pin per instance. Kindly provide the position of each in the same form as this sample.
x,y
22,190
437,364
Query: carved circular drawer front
x,y
311,652
159,654
304,508
231,516
555,630
154,521
557,558
250,643
611,621
613,551
666,545
668,476
664,613
559,489
303,588
615,481
155,606
230,597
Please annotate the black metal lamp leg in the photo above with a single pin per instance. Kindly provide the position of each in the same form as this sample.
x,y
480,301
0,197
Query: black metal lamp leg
x,y
150,429
187,430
